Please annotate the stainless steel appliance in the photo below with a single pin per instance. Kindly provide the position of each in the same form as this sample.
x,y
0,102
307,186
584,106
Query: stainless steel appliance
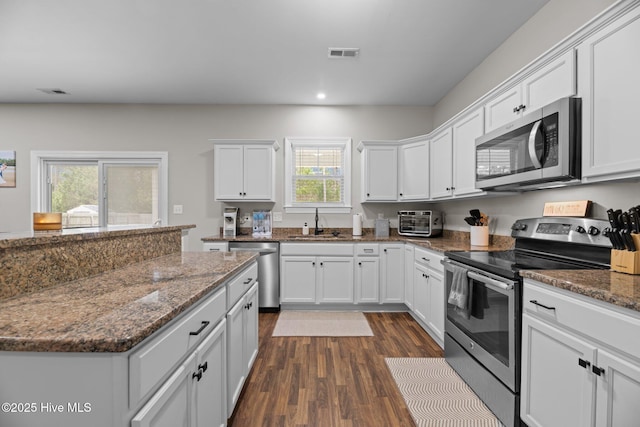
x,y
419,223
268,272
482,339
539,150
230,217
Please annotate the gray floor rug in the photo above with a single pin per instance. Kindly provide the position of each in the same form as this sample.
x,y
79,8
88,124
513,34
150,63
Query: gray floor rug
x,y
322,324
436,396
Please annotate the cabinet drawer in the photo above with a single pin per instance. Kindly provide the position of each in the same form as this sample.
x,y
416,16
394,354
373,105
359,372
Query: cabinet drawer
x,y
367,249
154,360
317,249
215,246
590,318
237,286
429,259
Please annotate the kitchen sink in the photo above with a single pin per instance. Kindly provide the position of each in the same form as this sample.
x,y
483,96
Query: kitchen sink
x,y
318,237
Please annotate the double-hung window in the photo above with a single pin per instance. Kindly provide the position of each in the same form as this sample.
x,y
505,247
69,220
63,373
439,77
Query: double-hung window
x,y
98,189
318,174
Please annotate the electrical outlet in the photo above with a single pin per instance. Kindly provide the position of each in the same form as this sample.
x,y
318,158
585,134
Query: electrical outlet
x,y
177,209
277,216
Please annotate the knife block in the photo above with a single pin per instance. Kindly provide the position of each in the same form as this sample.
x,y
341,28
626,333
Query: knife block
x,y
627,261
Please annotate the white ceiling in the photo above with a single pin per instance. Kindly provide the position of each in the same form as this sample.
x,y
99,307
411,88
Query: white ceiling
x,y
247,51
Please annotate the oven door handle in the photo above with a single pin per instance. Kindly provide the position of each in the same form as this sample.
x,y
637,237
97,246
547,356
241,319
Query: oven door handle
x,y
489,281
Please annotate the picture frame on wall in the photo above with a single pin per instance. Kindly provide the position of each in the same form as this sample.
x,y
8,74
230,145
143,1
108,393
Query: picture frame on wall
x,y
7,169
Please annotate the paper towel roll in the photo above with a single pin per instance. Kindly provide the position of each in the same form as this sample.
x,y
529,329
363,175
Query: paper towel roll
x,y
357,225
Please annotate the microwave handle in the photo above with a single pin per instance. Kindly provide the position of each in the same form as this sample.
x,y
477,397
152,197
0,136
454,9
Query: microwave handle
x,y
532,144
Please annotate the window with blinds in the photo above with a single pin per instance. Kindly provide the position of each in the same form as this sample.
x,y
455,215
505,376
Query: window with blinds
x,y
318,172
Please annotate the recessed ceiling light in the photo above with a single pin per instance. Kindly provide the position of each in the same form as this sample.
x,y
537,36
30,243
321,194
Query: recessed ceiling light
x,y
54,91
321,95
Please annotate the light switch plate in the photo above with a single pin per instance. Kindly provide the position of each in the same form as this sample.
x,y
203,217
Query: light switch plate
x,y
177,209
277,216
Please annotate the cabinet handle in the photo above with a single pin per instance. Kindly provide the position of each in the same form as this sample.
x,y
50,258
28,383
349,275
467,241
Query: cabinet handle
x,y
426,259
240,193
203,367
197,375
400,194
385,250
244,194
313,263
535,302
360,264
584,363
321,264
448,188
246,282
368,194
597,371
205,323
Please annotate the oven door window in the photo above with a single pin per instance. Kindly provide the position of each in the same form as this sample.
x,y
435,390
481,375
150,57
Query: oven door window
x,y
487,323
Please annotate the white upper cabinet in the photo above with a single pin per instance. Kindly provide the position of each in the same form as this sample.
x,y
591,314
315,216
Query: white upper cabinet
x,y
465,132
244,170
553,81
441,165
379,171
609,66
413,170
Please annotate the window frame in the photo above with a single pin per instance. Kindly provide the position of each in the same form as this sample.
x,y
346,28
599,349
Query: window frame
x,y
39,175
289,166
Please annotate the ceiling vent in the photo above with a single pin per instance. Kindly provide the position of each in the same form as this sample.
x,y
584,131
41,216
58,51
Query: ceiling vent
x,y
344,52
53,91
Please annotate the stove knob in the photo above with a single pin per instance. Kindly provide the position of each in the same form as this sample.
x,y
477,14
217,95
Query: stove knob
x,y
580,229
519,226
593,231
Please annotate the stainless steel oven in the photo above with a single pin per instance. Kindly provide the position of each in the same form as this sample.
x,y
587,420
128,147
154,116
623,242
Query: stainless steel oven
x,y
483,335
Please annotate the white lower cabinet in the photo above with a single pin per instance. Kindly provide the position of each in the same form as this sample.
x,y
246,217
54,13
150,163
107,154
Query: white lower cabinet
x,y
194,395
367,279
316,273
391,273
580,365
242,344
428,292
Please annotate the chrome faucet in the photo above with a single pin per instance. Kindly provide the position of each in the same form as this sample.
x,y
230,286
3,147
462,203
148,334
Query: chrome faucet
x,y
317,230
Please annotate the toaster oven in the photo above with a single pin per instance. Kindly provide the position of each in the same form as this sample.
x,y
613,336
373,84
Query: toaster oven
x,y
419,223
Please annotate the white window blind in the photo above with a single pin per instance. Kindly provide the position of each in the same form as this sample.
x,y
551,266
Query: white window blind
x,y
318,173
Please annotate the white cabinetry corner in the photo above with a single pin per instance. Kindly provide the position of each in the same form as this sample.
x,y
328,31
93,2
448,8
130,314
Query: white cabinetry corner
x,y
579,366
609,64
552,81
244,170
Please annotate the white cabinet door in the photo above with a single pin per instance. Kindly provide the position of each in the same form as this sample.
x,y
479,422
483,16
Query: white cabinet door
x,y
465,132
228,171
421,292
609,86
553,81
335,279
441,164
298,279
210,403
251,328
171,405
618,392
501,109
556,390
436,304
235,357
408,275
367,279
413,171
392,273
258,175
380,173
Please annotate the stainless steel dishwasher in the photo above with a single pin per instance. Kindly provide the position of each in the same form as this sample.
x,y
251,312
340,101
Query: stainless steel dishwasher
x,y
268,271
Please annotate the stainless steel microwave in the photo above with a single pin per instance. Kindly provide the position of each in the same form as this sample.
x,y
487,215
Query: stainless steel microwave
x,y
419,223
538,150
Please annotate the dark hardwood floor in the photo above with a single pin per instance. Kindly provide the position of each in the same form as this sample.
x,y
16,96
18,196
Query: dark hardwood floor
x,y
326,382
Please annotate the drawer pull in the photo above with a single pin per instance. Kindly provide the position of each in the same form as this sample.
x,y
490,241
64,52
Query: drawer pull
x,y
535,302
197,375
205,323
246,282
597,371
584,363
426,259
203,367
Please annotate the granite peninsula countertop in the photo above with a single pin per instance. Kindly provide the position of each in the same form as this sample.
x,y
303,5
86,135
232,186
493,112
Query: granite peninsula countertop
x,y
115,310
619,289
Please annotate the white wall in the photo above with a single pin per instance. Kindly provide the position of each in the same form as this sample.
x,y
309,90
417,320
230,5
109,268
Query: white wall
x,y
183,131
